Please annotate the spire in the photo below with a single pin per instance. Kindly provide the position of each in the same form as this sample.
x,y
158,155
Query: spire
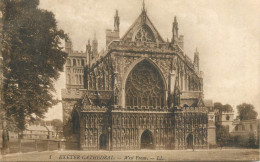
x,y
196,60
94,46
143,18
143,6
88,47
175,25
116,22
175,30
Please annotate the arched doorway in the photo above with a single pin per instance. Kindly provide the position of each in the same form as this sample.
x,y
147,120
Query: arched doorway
x,y
190,141
147,140
103,142
144,86
75,123
75,131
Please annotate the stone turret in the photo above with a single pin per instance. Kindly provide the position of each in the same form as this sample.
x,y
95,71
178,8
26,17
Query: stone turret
x,y
95,47
113,35
176,39
88,47
116,22
68,46
89,53
175,31
74,67
196,61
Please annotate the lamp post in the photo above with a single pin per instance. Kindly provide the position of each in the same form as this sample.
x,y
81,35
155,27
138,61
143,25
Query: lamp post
x,y
109,138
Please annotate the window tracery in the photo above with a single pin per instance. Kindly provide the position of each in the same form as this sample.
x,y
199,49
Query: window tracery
x,y
144,86
144,35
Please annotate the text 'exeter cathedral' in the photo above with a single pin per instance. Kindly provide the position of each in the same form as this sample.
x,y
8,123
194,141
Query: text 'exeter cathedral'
x,y
141,92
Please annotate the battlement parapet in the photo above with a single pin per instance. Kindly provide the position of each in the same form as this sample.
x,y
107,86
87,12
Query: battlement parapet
x,y
94,108
111,36
144,46
217,112
143,108
111,33
227,112
78,54
191,94
71,94
194,109
153,47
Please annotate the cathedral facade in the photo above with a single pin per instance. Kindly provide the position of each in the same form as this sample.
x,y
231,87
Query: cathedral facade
x,y
141,92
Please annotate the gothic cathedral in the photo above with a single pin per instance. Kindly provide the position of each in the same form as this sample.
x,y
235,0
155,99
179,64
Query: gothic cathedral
x,y
140,93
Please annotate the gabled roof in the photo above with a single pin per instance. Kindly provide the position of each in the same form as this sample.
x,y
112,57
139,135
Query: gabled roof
x,y
208,103
204,102
142,20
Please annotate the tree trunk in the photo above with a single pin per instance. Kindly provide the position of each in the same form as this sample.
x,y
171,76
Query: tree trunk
x,y
5,139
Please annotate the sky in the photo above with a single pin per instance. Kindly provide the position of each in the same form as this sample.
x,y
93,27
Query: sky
x,y
226,33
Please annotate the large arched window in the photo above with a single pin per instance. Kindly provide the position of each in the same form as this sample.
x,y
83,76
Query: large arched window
x,y
144,86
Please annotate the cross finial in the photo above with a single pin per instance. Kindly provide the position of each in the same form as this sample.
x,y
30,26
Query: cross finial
x,y
143,6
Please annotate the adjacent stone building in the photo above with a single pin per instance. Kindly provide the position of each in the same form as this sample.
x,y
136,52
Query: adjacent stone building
x,y
225,118
245,127
141,92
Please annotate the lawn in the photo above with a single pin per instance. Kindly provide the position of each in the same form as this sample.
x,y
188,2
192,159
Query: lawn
x,y
140,155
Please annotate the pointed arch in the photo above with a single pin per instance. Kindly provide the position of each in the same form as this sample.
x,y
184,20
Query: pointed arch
x,y
75,122
147,140
144,85
134,28
131,67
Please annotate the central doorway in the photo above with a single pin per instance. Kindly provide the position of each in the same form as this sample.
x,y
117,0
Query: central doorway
x,y
147,140
190,141
103,142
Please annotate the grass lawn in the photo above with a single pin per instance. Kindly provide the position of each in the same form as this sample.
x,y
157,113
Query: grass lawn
x,y
139,155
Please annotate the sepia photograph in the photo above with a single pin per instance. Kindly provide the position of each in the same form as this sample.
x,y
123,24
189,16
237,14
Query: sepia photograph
x,y
129,80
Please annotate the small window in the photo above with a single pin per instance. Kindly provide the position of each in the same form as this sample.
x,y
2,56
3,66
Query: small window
x,y
227,118
243,127
68,62
236,128
74,62
82,63
251,127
